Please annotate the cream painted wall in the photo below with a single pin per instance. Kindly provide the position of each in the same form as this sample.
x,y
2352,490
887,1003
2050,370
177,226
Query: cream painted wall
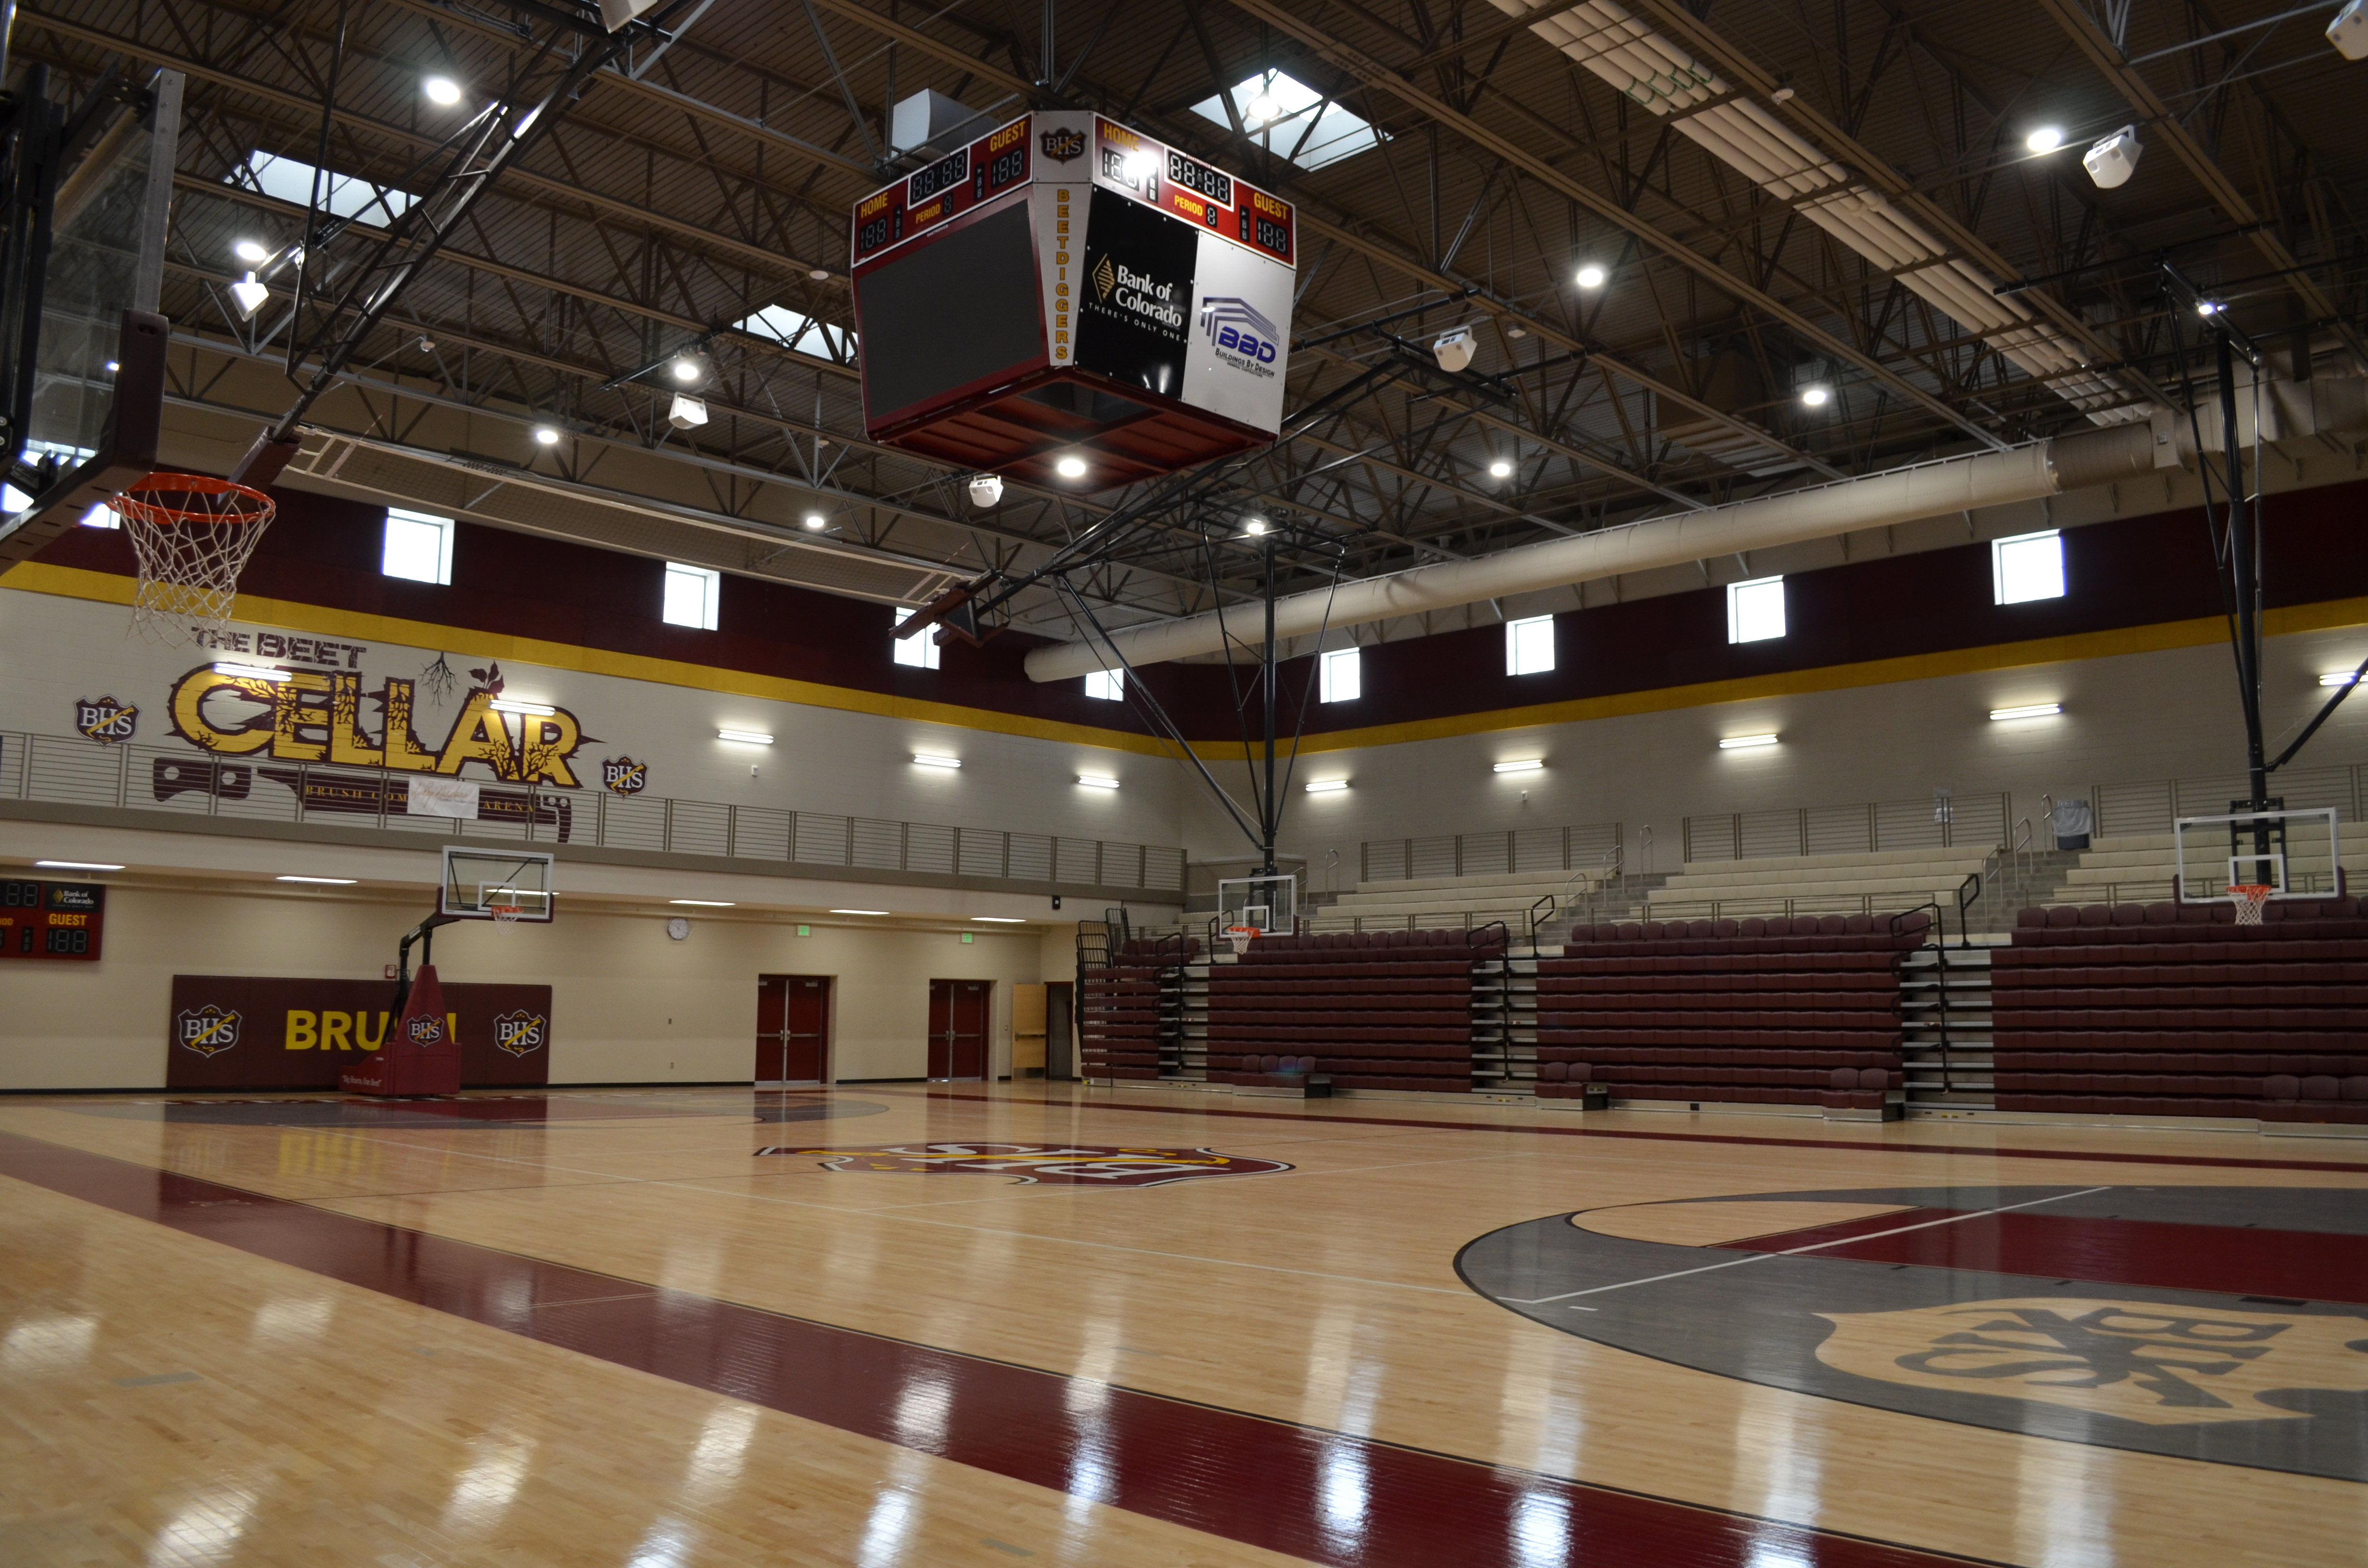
x,y
628,1003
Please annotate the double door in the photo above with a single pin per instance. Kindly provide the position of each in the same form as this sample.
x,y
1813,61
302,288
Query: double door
x,y
958,1023
792,1019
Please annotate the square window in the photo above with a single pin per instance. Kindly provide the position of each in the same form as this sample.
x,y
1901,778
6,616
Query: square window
x,y
691,593
1755,611
920,650
1109,685
417,546
1530,647
1342,678
2027,567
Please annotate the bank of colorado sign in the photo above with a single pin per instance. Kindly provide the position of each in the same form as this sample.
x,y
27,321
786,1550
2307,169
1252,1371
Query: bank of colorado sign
x,y
249,1032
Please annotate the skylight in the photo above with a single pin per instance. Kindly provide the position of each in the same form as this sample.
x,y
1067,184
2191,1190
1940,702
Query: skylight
x,y
801,334
348,196
1287,117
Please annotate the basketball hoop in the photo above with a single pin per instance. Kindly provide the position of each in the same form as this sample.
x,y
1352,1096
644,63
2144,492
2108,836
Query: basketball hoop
x,y
2251,899
507,914
192,536
1241,937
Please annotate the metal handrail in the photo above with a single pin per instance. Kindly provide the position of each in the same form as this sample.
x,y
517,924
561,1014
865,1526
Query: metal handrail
x,y
1966,900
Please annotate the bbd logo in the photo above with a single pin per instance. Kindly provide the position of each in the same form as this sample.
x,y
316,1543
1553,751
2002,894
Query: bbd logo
x,y
208,1030
1064,146
105,720
623,775
1105,278
520,1032
1061,1164
426,1030
1236,326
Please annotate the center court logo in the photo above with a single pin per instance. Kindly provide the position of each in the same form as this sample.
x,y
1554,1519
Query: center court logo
x,y
1243,337
1058,1164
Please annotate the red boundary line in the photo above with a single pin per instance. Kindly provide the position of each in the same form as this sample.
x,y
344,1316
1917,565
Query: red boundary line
x,y
1239,1476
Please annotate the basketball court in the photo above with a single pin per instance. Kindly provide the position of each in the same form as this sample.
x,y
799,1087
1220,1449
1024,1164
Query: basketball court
x,y
1556,785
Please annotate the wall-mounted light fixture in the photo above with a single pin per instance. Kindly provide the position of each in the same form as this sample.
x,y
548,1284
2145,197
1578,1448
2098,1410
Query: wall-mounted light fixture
x,y
1745,743
531,710
2031,711
1097,781
931,759
1527,764
745,737
252,672
1325,786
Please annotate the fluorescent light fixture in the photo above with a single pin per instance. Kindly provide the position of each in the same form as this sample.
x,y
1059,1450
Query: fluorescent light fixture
x,y
252,672
1000,919
1816,397
442,91
1325,786
1070,468
2046,138
77,866
745,737
1501,469
704,903
1590,276
546,435
251,252
1526,765
319,881
931,759
858,912
1097,781
250,296
2031,710
1745,743
2341,677
531,710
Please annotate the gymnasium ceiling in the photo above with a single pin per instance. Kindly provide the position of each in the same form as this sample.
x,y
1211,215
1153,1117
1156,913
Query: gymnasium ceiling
x,y
693,187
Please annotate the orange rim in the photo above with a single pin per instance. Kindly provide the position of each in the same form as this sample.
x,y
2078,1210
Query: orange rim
x,y
148,501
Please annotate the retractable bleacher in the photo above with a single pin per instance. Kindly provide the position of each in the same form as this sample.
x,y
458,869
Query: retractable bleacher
x,y
1801,1011
1366,1010
1128,1023
2173,1010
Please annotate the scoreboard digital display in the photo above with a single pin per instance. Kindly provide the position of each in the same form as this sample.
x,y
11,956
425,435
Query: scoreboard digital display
x,y
952,186
51,920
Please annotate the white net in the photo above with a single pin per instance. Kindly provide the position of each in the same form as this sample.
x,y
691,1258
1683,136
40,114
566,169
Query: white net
x,y
2252,898
192,536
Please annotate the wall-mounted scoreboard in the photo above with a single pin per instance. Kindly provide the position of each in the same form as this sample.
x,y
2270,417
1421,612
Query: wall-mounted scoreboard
x,y
51,920
1066,287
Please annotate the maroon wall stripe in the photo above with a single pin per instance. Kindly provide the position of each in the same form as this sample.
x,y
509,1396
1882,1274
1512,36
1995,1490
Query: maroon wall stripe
x,y
1853,1145
2232,1259
1324,1496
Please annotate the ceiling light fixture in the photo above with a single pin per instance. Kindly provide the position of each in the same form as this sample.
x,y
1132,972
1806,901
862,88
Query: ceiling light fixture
x,y
1097,781
1592,276
2031,710
1816,397
933,759
1254,526
686,369
815,522
1072,467
1526,765
442,91
250,296
819,274
1746,742
2046,138
858,912
250,251
2209,308
2341,677
1000,919
252,672
319,881
1500,469
1325,786
531,710
745,737
77,866
704,903
546,435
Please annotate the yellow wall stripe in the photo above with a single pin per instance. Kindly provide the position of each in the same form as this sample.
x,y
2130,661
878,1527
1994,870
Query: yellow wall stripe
x,y
108,587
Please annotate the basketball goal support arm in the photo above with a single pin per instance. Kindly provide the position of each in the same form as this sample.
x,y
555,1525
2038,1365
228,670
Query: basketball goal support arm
x,y
424,935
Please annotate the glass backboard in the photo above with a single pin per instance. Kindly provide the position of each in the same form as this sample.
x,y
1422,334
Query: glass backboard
x,y
496,884
2294,854
1268,905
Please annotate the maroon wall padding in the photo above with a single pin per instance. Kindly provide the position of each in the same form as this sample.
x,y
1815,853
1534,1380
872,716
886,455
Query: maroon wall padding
x,y
2129,573
1754,1012
2179,1011
268,1047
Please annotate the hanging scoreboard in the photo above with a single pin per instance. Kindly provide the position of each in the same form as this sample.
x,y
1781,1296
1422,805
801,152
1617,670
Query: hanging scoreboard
x,y
51,920
1066,288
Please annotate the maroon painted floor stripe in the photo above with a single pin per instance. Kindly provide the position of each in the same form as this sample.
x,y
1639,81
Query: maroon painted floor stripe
x,y
1854,1144
2234,1259
1324,1496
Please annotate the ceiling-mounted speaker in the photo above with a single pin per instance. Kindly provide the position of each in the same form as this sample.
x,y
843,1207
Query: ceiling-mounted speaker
x,y
615,14
2349,31
1455,347
2113,160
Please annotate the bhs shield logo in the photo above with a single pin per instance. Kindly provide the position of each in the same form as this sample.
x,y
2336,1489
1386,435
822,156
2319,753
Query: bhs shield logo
x,y
1059,1165
208,1030
105,720
1063,147
623,775
425,1030
519,1032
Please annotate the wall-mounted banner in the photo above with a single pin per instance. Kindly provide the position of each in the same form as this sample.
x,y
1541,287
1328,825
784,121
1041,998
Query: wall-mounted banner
x,y
623,775
441,798
243,1032
105,720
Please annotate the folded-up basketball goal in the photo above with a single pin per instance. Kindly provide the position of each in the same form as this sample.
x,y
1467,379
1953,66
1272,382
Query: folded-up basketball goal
x,y
191,537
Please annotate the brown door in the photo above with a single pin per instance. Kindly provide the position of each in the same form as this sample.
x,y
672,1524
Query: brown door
x,y
958,1014
792,1027
1060,1056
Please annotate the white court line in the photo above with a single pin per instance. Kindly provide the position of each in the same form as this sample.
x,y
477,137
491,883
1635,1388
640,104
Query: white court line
x,y
1792,1252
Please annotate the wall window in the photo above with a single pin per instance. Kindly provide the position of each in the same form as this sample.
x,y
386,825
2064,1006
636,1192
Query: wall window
x,y
1343,676
417,546
1108,685
2027,567
691,593
1755,611
920,650
1530,647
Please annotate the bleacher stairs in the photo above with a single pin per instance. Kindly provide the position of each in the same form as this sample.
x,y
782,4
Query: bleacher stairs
x,y
1945,1041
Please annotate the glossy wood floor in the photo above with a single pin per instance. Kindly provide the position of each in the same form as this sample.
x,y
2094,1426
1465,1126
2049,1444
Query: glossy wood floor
x,y
225,1365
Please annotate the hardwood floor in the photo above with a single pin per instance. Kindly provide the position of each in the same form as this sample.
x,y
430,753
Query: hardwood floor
x,y
605,1329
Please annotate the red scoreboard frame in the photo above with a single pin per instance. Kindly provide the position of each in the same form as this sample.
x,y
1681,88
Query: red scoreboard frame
x,y
51,920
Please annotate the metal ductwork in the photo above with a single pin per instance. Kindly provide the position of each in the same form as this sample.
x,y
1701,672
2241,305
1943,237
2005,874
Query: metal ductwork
x,y
1661,76
2290,410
